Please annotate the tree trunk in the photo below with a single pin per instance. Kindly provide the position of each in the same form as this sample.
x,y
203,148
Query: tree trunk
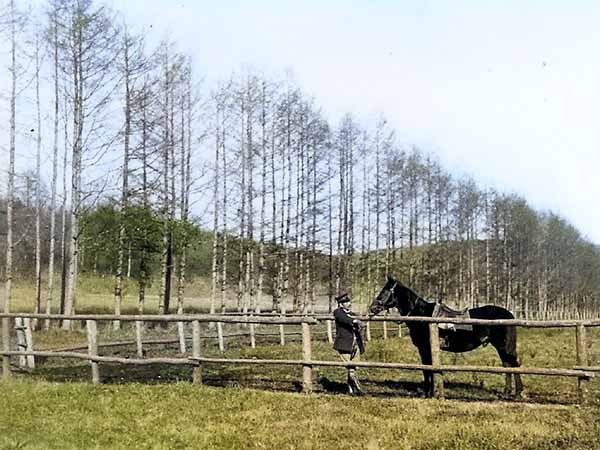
x,y
224,232
52,211
78,117
215,246
242,287
263,196
11,177
125,184
167,255
38,194
63,232
330,292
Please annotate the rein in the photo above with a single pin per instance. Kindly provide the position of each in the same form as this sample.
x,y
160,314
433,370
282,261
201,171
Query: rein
x,y
390,292
412,308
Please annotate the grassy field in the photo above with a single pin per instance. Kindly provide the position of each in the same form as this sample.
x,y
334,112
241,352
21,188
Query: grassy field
x,y
96,294
258,407
41,415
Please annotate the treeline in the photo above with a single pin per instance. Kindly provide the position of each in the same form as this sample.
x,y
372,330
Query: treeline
x,y
335,207
148,175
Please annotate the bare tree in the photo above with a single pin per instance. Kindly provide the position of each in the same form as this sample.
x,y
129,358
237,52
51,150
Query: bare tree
x,y
91,40
171,67
186,184
64,229
53,34
215,247
224,228
38,193
264,139
330,243
11,183
133,64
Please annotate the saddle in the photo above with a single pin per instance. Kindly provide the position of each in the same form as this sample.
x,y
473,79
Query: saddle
x,y
441,310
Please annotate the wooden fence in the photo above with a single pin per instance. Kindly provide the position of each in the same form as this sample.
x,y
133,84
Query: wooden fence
x,y
582,371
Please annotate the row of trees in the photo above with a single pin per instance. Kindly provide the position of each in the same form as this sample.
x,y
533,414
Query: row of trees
x,y
247,184
338,207
108,92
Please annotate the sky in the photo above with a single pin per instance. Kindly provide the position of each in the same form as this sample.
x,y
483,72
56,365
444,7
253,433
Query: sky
x,y
505,92
502,91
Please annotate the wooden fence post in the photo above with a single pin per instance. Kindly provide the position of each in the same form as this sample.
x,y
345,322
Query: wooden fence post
x,y
220,337
196,351
281,328
307,357
329,332
368,336
92,335
582,360
6,347
385,331
21,341
438,380
252,333
139,328
181,335
29,342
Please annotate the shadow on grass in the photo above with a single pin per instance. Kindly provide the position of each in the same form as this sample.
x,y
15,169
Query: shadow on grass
x,y
374,388
276,379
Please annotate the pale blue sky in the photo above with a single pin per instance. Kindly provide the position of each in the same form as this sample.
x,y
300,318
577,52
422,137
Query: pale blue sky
x,y
504,91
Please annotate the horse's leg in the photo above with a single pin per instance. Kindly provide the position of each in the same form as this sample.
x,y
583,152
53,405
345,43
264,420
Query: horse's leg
x,y
513,359
508,379
518,382
425,353
510,360
507,350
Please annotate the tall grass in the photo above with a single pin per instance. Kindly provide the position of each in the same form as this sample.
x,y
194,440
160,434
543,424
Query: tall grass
x,y
182,416
96,294
258,407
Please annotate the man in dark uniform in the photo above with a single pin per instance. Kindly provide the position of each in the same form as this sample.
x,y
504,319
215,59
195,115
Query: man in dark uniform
x,y
348,340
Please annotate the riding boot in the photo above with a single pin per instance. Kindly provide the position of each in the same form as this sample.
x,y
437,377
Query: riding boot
x,y
354,386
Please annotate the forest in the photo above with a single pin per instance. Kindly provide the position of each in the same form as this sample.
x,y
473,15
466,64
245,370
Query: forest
x,y
122,162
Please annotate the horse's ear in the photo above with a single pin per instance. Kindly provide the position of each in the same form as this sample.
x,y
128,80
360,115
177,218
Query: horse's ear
x,y
389,277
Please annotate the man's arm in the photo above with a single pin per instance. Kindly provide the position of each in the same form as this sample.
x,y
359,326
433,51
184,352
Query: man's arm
x,y
342,318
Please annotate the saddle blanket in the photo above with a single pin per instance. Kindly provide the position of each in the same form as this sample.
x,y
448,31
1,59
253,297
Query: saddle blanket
x,y
442,310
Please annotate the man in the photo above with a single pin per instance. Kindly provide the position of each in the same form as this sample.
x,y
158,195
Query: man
x,y
348,340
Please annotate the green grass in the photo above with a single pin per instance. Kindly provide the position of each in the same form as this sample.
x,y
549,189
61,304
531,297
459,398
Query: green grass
x,y
41,415
255,407
95,294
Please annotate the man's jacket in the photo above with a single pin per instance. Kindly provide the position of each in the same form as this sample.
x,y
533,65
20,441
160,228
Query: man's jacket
x,y
345,331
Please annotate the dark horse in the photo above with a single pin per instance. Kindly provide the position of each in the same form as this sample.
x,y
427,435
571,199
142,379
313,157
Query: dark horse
x,y
503,337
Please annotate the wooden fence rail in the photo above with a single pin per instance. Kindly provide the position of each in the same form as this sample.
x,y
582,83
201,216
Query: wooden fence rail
x,y
582,371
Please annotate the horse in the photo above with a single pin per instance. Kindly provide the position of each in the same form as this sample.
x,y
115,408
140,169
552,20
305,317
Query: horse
x,y
503,337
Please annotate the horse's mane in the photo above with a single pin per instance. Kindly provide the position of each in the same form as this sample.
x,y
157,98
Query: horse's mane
x,y
413,296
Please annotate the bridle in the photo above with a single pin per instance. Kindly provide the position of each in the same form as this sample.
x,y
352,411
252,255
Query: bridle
x,y
386,297
387,293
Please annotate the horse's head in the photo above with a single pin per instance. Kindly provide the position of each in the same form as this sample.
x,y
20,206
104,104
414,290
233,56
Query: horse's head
x,y
386,299
394,295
